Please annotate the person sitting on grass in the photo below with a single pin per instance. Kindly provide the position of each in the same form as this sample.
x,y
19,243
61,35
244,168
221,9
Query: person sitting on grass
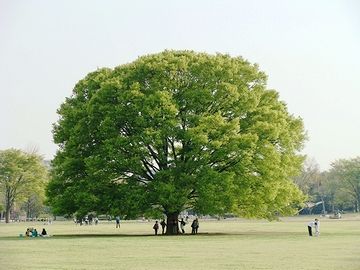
x,y
34,233
43,233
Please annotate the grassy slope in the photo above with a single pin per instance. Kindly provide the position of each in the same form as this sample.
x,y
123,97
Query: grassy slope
x,y
221,245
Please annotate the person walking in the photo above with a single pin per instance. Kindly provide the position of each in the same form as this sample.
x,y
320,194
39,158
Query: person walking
x,y
163,226
182,225
156,227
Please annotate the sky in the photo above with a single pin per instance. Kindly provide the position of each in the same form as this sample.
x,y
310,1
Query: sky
x,y
310,51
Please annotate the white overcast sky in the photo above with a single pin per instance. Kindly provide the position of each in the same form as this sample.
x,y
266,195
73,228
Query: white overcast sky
x,y
309,49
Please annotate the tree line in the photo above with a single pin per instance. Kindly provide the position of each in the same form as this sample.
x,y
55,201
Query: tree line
x,y
338,188
25,176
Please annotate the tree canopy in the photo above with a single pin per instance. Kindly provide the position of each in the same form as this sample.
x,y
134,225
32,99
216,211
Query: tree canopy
x,y
345,176
337,188
174,131
21,174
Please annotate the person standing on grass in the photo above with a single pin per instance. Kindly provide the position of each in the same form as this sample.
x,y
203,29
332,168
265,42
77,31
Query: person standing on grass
x,y
117,219
156,227
194,226
163,225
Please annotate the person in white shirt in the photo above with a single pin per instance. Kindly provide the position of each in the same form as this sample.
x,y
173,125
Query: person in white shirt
x,y
315,224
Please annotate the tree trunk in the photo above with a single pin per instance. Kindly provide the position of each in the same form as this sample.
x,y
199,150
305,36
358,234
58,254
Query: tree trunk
x,y
323,207
7,213
28,209
172,224
9,200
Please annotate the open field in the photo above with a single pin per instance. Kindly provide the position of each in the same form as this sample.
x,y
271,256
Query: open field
x,y
227,244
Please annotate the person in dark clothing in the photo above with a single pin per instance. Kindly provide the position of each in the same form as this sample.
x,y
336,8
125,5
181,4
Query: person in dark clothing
x,y
163,226
43,232
182,225
195,226
311,224
156,227
117,219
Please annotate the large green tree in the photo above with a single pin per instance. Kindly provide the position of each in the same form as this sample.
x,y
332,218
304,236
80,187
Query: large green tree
x,y
346,173
173,131
20,174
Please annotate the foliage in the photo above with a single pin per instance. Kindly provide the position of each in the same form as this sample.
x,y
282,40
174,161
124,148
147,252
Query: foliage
x,y
337,188
347,174
21,174
34,204
173,131
309,178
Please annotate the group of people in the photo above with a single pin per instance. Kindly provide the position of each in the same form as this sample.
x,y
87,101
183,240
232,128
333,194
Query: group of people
x,y
87,220
314,225
32,232
182,223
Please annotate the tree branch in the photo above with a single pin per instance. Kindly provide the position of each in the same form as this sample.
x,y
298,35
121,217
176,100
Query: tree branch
x,y
154,155
173,149
148,170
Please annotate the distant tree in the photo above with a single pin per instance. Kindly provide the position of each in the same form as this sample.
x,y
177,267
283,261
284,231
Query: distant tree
x,y
33,205
34,199
347,173
20,173
173,131
314,184
308,179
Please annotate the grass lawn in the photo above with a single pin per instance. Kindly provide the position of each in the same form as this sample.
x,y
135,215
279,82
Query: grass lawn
x,y
226,244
